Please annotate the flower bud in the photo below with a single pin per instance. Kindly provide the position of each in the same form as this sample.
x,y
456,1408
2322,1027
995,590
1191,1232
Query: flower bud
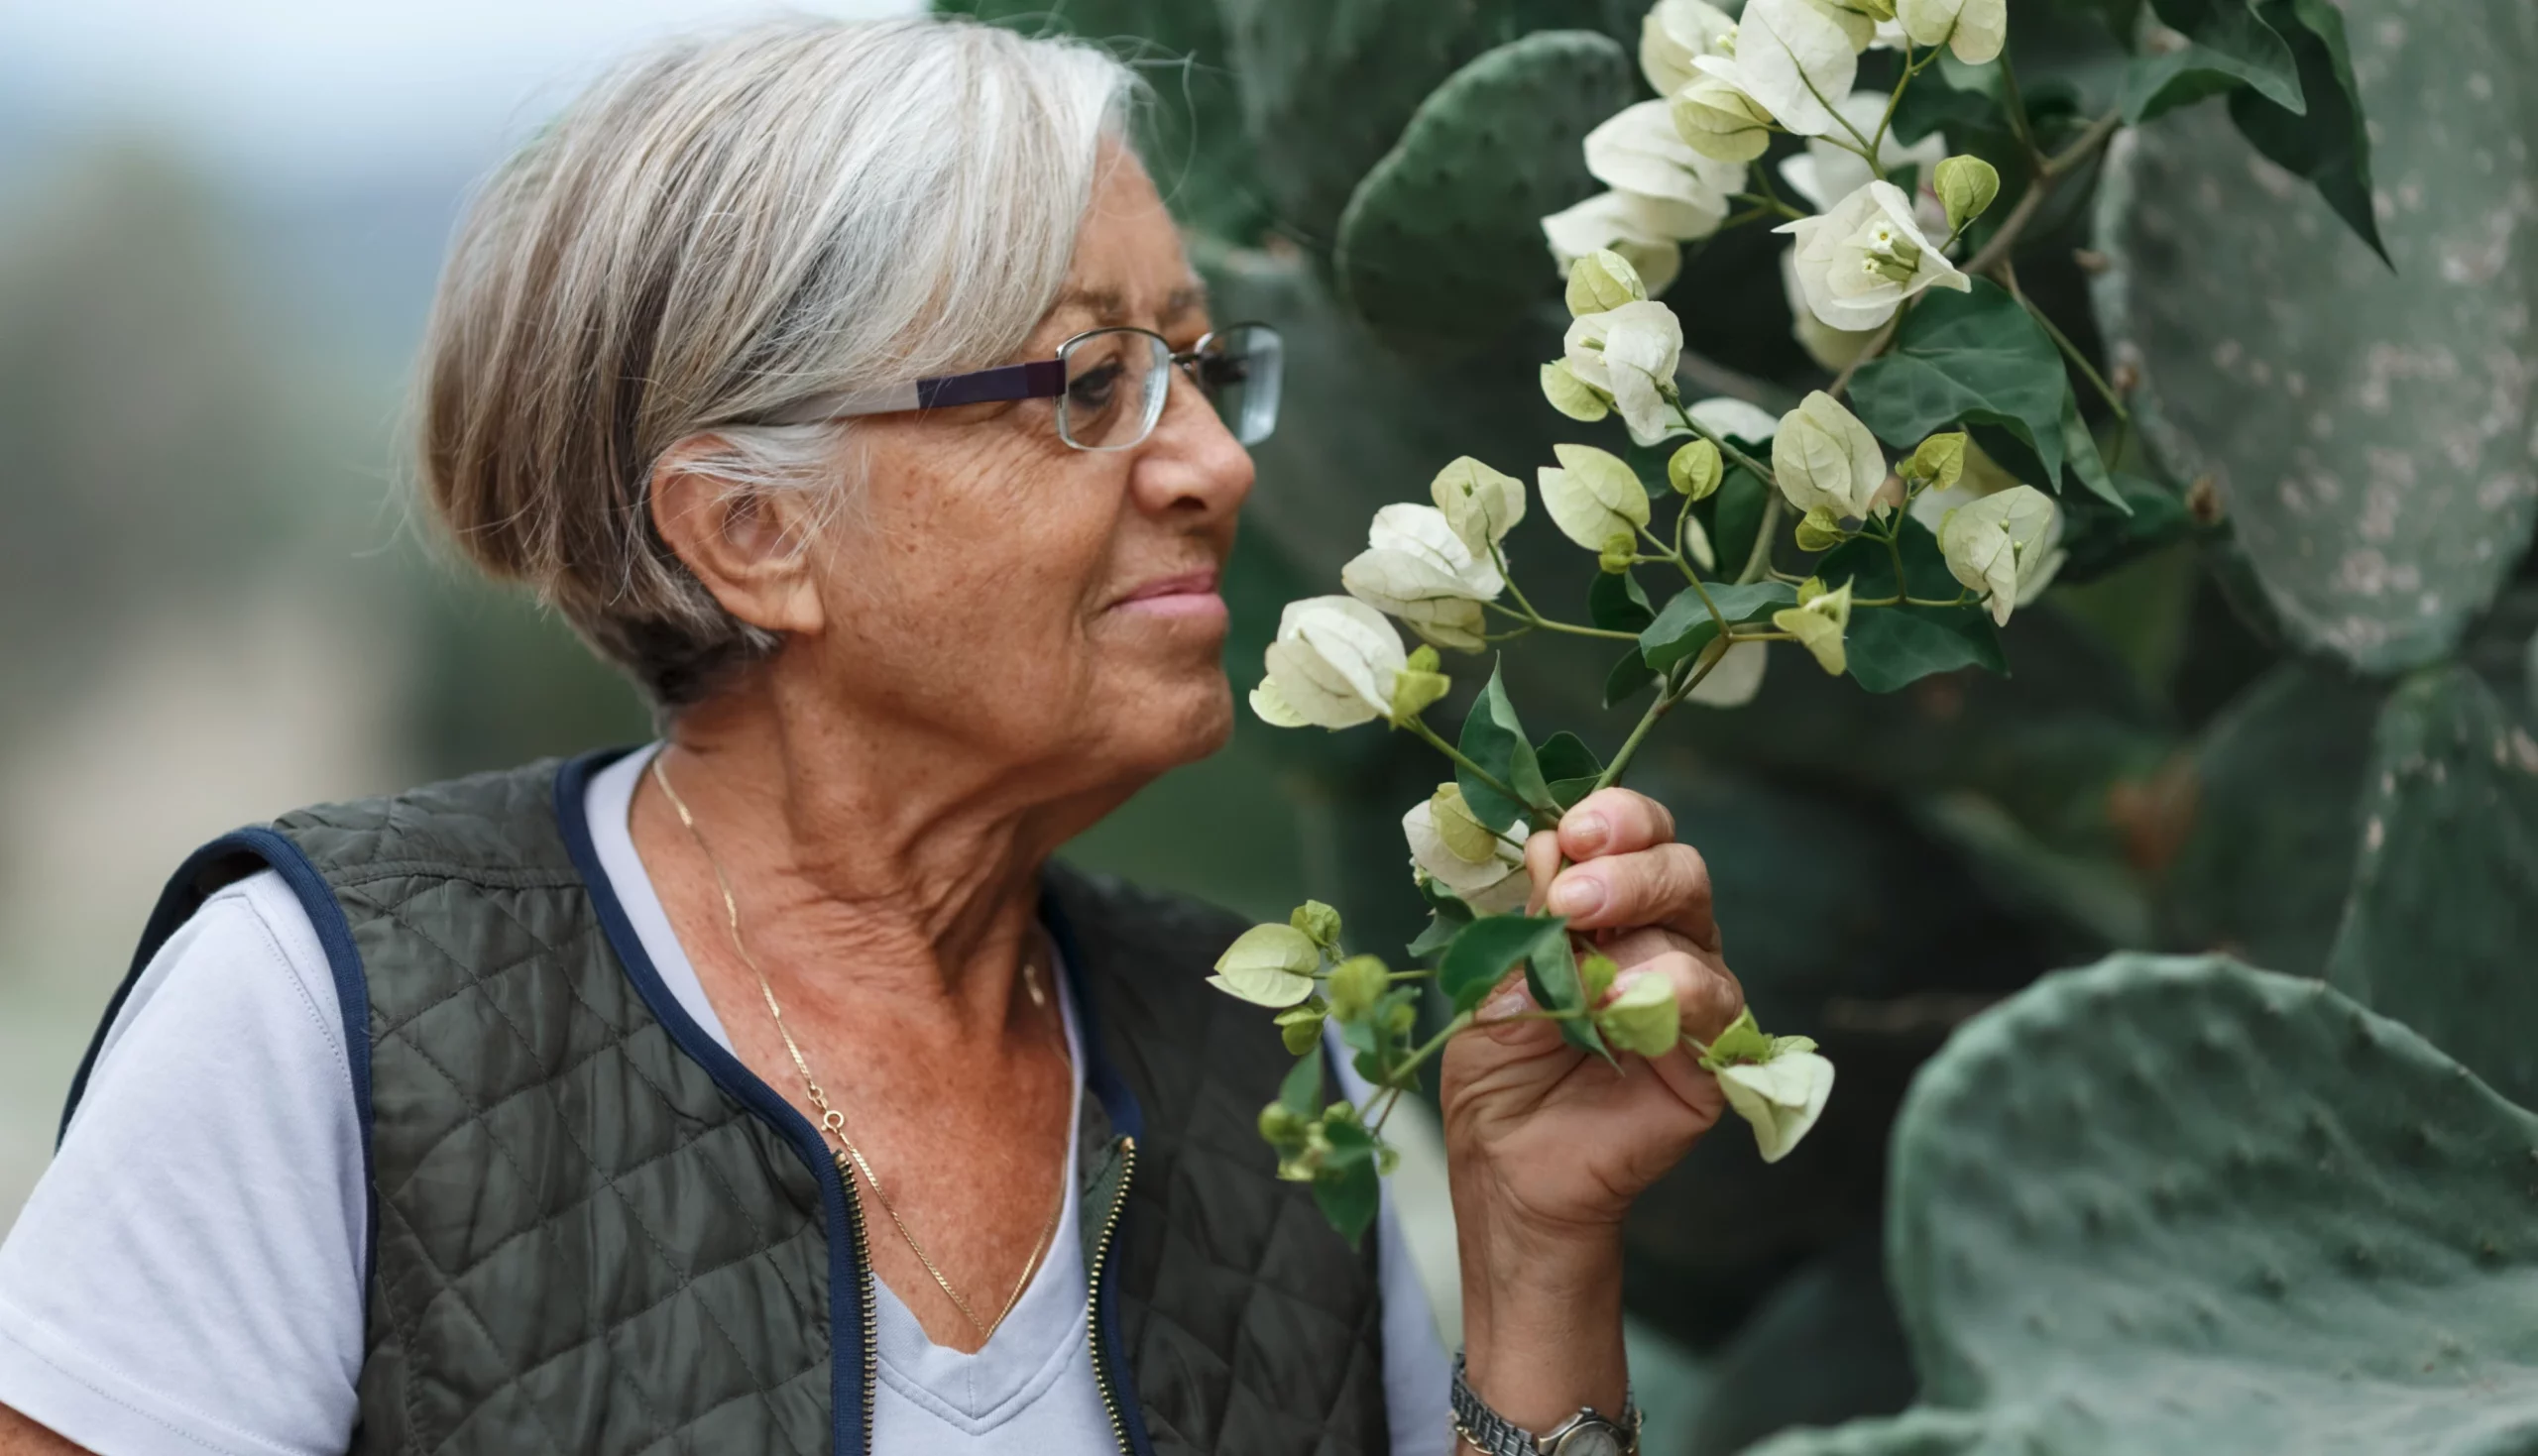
x,y
1571,396
1695,470
1643,1018
1602,281
1940,461
1401,1017
1597,973
1303,1164
1414,692
1268,966
1355,985
1481,505
1818,625
1966,184
1281,1127
1299,1027
1616,557
1819,530
1320,920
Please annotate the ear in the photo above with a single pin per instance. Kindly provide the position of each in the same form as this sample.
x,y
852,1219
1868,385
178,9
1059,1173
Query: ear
x,y
750,546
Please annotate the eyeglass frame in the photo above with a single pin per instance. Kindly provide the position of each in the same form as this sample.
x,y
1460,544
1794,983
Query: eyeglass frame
x,y
1033,379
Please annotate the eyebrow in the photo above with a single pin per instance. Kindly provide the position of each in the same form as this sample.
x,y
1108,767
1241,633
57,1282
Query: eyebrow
x,y
1110,306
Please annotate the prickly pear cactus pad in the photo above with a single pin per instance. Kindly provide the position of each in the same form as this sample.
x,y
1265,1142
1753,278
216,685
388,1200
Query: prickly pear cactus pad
x,y
2445,894
2167,1204
1439,241
2370,430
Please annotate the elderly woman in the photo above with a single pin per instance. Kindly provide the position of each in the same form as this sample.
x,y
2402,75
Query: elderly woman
x,y
769,1089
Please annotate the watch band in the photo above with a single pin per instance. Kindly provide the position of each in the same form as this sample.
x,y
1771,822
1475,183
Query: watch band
x,y
1493,1434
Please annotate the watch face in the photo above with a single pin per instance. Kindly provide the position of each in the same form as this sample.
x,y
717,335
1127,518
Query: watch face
x,y
1591,1439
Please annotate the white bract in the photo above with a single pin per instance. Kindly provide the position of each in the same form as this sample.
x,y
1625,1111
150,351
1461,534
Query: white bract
x,y
2002,545
1974,30
1481,504
1637,150
1826,173
1858,262
1716,118
1781,1099
1736,679
1725,414
1602,280
1268,964
1418,568
1592,496
1629,354
1488,877
1818,622
1335,664
1830,347
1793,58
1642,229
1677,33
1645,1018
1824,456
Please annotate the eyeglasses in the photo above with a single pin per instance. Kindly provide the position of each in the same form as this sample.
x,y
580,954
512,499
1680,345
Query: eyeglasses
x,y
1110,386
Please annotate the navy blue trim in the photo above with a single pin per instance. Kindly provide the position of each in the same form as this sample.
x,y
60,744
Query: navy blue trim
x,y
1039,379
846,1284
1126,1117
225,861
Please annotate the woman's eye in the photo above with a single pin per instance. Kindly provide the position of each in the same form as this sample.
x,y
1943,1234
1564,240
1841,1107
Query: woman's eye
x,y
1094,387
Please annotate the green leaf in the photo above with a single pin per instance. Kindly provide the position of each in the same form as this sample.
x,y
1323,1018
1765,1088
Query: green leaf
x,y
1686,626
2101,538
1570,768
1488,949
2080,450
1974,358
1552,975
1495,740
2327,143
1618,604
1300,1093
1351,1197
1928,110
2231,47
1890,646
1629,678
1446,916
1736,516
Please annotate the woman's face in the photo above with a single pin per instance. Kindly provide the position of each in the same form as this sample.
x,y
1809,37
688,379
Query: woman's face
x,y
1036,607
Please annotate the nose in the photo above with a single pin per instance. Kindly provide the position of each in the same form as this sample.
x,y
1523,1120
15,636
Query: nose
x,y
1192,465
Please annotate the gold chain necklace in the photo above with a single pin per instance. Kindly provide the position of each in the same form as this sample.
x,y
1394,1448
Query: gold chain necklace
x,y
833,1121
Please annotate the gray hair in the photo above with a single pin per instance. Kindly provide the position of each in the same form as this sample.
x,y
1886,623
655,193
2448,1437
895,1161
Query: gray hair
x,y
714,230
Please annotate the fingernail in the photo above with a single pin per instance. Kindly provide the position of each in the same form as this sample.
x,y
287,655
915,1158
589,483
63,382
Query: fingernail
x,y
1512,1004
1587,831
1577,895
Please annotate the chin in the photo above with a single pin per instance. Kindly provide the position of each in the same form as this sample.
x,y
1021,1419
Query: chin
x,y
1179,721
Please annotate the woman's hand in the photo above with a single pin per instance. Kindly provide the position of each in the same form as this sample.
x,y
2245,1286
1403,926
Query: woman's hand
x,y
1548,1146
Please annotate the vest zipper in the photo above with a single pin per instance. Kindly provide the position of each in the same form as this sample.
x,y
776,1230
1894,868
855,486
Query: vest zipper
x,y
863,1272
1101,1372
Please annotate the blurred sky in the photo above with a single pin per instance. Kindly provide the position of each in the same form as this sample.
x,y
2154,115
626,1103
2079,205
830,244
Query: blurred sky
x,y
299,92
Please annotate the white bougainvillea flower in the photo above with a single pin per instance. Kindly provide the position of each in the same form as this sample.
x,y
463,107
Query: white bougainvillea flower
x,y
1737,678
1600,280
1592,496
1794,61
1974,30
1824,456
1996,543
1268,966
1725,414
1481,504
1333,664
1859,261
1716,117
1781,1099
1416,566
1629,354
1831,348
1677,33
1644,230
1484,871
1824,174
1645,1018
1818,622
1637,149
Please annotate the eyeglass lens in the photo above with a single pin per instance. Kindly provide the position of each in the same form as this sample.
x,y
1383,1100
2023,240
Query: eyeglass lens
x,y
1117,380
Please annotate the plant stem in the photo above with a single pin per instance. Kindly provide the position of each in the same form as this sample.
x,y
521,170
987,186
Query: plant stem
x,y
1403,1076
2016,105
1667,698
1421,727
1912,69
1574,630
1761,471
1762,207
2069,350
2089,141
1758,561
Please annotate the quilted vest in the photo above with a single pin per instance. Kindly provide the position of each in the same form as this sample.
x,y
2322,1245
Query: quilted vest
x,y
593,1231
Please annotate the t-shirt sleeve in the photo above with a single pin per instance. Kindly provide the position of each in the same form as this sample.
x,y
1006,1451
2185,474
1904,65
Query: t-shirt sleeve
x,y
188,1275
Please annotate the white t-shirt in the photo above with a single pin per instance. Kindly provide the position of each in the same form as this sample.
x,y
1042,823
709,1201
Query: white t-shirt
x,y
186,1276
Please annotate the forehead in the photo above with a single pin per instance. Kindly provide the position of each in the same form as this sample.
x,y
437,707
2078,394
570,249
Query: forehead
x,y
1129,266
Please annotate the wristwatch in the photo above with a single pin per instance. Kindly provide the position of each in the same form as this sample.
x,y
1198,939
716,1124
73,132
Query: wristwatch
x,y
1584,1435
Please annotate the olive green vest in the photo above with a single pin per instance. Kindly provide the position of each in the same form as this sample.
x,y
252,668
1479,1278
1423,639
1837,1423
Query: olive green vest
x,y
593,1231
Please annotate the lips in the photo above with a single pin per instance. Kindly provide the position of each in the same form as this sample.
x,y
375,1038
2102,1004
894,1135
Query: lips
x,y
1161,590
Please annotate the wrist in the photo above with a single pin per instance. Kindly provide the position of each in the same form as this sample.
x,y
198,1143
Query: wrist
x,y
1542,1314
